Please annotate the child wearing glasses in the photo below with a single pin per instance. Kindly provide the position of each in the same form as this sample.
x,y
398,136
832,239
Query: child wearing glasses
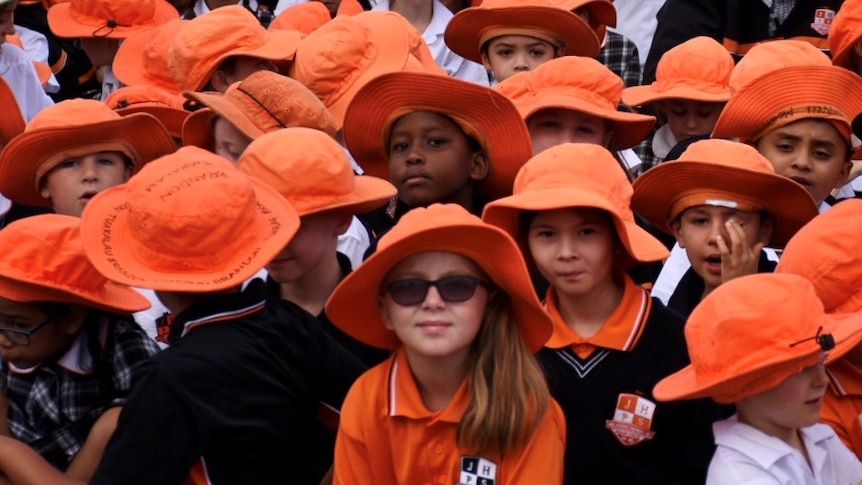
x,y
462,400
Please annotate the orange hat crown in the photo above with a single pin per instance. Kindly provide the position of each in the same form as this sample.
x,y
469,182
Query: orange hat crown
x,y
305,17
114,19
771,56
143,57
845,32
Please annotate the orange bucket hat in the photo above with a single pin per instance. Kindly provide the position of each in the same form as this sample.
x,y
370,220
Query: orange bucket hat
x,y
112,19
771,56
727,174
440,227
845,31
338,59
70,129
596,90
827,253
482,113
45,261
203,43
143,57
312,171
12,122
752,333
305,17
576,175
470,29
189,221
698,69
263,102
601,12
166,107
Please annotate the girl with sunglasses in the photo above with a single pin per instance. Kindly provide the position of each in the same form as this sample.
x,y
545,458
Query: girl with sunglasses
x,y
462,399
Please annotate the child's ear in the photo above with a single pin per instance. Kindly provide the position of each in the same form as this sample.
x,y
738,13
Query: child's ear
x,y
46,194
387,322
74,320
845,170
343,223
676,230
485,61
559,51
767,225
609,134
219,81
479,166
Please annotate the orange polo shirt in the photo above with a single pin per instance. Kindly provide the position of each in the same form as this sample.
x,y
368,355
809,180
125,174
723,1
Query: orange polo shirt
x,y
388,437
842,405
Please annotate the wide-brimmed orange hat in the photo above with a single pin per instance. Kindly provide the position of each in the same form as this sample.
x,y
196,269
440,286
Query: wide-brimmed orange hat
x,y
470,29
203,43
826,252
699,69
12,122
190,222
311,170
70,129
45,262
305,17
263,102
112,19
771,56
752,333
338,59
845,31
166,107
143,57
596,90
576,175
450,228
485,115
726,174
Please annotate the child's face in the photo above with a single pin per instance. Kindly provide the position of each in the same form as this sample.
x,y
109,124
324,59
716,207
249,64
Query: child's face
x,y
574,249
316,240
688,119
229,142
508,55
45,342
100,50
435,329
555,126
809,151
72,183
431,160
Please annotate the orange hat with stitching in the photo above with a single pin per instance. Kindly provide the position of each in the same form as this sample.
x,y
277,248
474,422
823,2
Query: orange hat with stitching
x,y
827,253
845,31
203,43
470,29
189,222
305,17
754,332
440,227
12,122
263,102
312,171
338,59
596,90
70,129
699,69
143,57
483,114
45,262
165,106
576,175
112,19
725,174
601,13
771,56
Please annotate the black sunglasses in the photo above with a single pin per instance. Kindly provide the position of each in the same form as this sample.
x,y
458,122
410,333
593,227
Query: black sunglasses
x,y
453,289
19,336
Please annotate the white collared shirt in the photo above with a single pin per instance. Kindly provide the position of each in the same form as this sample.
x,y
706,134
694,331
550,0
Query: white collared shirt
x,y
18,72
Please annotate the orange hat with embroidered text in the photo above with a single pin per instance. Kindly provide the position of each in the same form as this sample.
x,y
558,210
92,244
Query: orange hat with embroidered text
x,y
112,19
143,57
166,107
845,31
305,17
353,307
189,221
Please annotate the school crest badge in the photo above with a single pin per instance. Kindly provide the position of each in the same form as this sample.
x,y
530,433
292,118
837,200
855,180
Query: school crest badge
x,y
476,470
632,419
822,20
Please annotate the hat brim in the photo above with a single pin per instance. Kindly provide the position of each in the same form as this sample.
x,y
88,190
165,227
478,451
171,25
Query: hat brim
x,y
641,95
23,156
63,23
369,193
601,12
130,63
503,134
789,204
466,29
172,118
12,123
221,105
111,297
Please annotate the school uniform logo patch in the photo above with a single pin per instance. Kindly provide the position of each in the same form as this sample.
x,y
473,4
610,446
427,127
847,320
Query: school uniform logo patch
x,y
822,20
632,419
476,470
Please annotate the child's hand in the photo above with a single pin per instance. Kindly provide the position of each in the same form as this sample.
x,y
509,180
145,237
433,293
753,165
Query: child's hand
x,y
737,258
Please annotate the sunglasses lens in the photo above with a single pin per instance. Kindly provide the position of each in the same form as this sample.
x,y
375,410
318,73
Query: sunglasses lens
x,y
408,292
413,291
457,288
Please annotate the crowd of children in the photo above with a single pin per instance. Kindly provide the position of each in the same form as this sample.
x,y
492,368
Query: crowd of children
x,y
424,241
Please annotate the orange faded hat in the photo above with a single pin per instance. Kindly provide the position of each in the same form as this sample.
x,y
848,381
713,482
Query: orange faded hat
x,y
827,253
190,222
752,333
725,174
45,262
12,122
596,90
483,114
845,31
470,29
263,102
143,57
112,19
576,175
305,17
338,59
698,69
311,170
203,43
70,129
439,227
166,107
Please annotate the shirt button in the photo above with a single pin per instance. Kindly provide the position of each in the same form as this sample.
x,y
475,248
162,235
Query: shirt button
x,y
438,449
441,479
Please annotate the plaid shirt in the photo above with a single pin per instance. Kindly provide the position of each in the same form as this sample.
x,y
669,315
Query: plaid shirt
x,y
620,55
53,405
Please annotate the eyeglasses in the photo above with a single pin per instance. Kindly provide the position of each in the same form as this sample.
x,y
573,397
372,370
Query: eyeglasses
x,y
19,336
452,289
